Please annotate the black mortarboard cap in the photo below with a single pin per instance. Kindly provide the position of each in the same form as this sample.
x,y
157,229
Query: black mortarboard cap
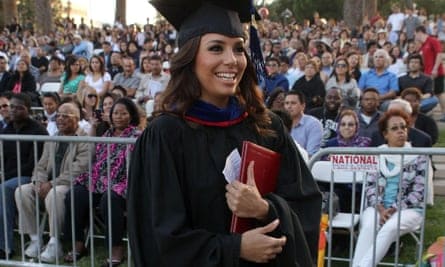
x,y
197,17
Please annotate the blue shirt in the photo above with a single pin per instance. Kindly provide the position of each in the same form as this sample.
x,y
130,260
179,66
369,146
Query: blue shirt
x,y
391,188
308,133
278,80
82,49
384,82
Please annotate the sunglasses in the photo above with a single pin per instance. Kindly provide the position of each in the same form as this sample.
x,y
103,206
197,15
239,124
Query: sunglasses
x,y
399,127
91,95
349,124
4,106
341,65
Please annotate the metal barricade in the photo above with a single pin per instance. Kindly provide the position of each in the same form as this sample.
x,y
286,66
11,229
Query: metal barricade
x,y
419,233
97,254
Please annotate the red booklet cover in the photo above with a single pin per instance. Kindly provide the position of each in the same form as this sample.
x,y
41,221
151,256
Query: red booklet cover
x,y
266,169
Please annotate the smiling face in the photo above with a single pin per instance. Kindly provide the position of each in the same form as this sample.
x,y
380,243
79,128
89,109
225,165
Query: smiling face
x,y
219,66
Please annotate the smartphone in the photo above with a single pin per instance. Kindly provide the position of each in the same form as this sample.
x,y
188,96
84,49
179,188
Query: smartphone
x,y
98,114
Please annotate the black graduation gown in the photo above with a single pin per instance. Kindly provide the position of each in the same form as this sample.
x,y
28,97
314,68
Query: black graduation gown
x,y
177,211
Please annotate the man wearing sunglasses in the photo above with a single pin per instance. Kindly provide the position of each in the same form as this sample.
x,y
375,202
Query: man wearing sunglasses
x,y
274,78
51,187
19,161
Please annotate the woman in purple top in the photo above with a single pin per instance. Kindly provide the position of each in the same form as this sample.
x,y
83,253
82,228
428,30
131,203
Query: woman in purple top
x,y
347,136
124,118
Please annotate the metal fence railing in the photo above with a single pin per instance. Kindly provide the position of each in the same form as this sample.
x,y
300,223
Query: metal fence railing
x,y
97,253
418,234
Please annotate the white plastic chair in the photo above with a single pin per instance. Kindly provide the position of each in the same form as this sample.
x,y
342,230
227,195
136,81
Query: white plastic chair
x,y
322,171
50,87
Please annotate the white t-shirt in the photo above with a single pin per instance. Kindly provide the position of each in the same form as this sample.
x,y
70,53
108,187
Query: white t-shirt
x,y
99,84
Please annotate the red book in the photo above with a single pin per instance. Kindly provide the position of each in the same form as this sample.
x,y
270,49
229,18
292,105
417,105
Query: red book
x,y
266,169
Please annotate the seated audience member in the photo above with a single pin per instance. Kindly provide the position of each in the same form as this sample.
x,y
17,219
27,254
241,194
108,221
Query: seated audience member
x,y
119,91
347,136
287,121
274,78
19,123
22,81
415,78
102,123
275,100
5,75
368,114
97,77
418,119
306,130
128,79
54,73
380,78
71,78
288,72
115,65
340,78
416,137
4,110
328,113
70,161
50,103
311,85
382,193
89,100
153,82
124,121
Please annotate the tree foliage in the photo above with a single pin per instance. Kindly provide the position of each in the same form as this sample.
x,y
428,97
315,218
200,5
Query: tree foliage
x,y
304,9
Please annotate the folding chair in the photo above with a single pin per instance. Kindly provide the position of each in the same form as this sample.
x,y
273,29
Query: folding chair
x,y
50,87
322,171
342,221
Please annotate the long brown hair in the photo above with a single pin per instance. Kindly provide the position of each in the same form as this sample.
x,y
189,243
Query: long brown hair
x,y
184,88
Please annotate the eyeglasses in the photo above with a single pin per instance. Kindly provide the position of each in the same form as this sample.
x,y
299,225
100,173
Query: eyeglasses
x,y
64,115
91,95
272,65
398,127
341,65
4,106
349,124
17,107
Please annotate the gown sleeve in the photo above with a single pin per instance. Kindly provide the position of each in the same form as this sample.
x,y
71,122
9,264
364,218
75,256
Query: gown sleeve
x,y
158,227
297,189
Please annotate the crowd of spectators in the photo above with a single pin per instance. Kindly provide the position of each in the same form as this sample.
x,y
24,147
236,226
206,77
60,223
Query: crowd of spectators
x,y
334,82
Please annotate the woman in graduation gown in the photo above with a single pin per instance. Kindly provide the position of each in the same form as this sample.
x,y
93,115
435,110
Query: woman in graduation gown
x,y
179,203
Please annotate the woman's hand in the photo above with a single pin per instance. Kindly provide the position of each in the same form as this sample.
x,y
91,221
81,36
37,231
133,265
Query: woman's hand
x,y
385,214
256,246
244,200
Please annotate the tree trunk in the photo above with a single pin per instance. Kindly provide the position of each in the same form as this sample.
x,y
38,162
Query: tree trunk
x,y
43,16
121,11
352,13
9,11
355,11
370,8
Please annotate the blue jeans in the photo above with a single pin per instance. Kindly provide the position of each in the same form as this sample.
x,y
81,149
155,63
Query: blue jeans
x,y
9,210
427,104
